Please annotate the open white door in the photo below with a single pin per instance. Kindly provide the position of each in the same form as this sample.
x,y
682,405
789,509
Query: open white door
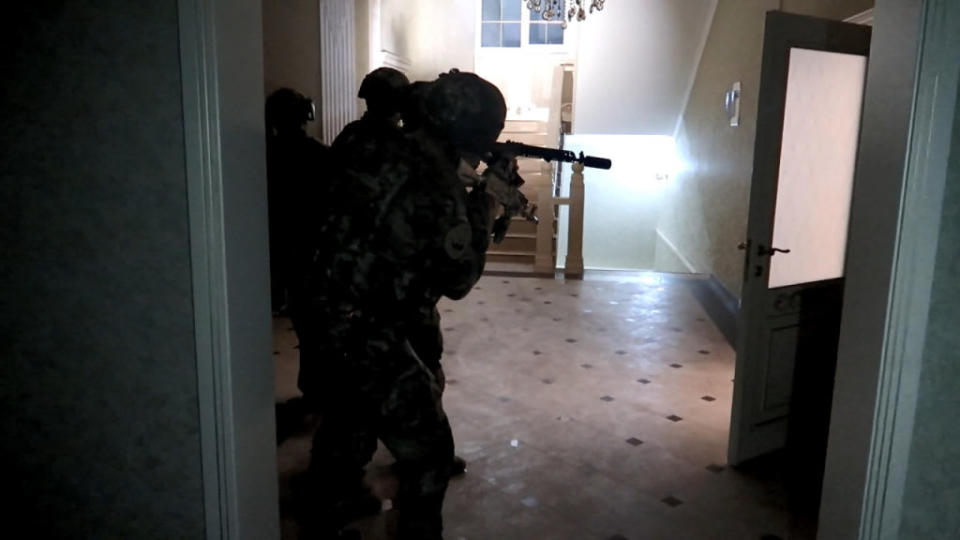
x,y
808,125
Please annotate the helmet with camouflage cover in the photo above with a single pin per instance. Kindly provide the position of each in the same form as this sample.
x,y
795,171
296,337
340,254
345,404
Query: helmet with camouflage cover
x,y
464,108
382,89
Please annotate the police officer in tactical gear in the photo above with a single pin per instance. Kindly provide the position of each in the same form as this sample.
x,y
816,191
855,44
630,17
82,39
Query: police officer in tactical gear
x,y
295,164
404,232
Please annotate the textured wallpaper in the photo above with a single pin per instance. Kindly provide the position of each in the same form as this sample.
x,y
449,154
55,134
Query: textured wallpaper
x,y
931,502
705,212
99,426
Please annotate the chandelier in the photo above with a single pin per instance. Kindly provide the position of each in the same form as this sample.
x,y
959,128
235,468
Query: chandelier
x,y
551,10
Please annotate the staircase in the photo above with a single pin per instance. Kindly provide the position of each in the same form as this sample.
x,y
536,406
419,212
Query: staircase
x,y
517,253
530,249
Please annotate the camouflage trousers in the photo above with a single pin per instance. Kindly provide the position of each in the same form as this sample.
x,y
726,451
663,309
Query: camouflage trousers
x,y
386,393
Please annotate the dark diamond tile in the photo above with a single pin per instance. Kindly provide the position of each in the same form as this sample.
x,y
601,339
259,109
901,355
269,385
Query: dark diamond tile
x,y
526,329
586,366
452,381
703,351
547,302
674,418
574,295
478,288
537,353
621,352
601,329
451,353
503,399
557,319
481,302
485,319
643,381
708,398
538,288
571,340
676,366
607,398
634,441
511,295
506,281
548,380
713,467
672,501
448,329
676,329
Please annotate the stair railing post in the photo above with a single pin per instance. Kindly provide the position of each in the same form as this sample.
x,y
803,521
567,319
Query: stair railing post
x,y
574,263
544,262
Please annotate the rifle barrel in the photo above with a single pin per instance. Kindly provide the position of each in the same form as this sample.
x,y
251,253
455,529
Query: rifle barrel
x,y
549,154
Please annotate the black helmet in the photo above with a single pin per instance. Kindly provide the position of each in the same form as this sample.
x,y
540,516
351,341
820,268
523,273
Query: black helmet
x,y
288,110
466,109
382,89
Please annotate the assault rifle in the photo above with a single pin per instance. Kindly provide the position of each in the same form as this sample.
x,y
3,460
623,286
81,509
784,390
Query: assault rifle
x,y
504,184
516,149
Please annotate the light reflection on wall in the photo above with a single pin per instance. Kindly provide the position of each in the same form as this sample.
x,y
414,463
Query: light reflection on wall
x,y
622,205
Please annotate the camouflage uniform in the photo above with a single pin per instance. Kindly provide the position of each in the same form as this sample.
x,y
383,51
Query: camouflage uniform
x,y
404,232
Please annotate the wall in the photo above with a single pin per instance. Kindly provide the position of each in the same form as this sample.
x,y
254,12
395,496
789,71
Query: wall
x,y
625,199
444,37
932,488
291,49
635,63
98,381
430,36
705,210
931,492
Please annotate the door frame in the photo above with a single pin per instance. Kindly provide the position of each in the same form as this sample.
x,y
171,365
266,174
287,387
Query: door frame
x,y
221,54
866,451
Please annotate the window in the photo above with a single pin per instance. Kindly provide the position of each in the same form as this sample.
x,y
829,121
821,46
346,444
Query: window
x,y
501,23
546,31
509,24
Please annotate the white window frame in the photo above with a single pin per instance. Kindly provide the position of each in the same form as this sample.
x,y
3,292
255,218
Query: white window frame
x,y
525,45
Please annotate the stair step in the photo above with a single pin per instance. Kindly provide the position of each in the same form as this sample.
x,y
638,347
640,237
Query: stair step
x,y
508,269
520,257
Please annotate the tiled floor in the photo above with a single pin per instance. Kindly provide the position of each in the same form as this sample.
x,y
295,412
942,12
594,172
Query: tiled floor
x,y
595,409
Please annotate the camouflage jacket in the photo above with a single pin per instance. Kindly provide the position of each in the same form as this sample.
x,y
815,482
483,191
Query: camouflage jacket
x,y
402,231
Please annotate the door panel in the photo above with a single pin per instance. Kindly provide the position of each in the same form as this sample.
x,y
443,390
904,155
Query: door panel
x,y
808,118
820,130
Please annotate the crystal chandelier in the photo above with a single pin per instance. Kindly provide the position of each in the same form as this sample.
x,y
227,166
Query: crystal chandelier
x,y
551,10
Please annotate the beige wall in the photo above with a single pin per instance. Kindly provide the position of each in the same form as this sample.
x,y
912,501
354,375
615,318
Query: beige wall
x,y
444,37
291,49
431,36
705,208
635,62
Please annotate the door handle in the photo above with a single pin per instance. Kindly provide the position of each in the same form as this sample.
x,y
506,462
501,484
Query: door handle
x,y
763,250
